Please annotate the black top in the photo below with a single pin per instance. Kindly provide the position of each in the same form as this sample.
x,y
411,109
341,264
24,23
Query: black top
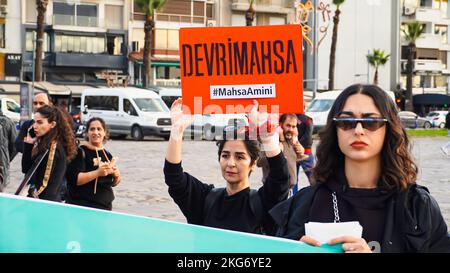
x,y
228,212
22,134
305,130
367,206
53,190
84,195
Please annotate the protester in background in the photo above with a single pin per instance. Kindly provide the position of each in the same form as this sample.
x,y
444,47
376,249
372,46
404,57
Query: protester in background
x,y
445,148
54,141
93,172
236,207
39,100
8,135
365,172
305,133
290,146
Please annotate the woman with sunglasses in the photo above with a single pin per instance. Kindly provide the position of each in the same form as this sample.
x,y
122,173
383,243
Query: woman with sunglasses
x,y
365,172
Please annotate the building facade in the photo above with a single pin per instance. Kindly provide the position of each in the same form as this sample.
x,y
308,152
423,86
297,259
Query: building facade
x,y
85,41
165,55
431,64
364,25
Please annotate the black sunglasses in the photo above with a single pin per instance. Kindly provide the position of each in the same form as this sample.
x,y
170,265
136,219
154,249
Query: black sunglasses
x,y
371,124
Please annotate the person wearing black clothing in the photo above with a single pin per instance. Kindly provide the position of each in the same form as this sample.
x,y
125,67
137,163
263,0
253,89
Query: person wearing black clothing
x,y
233,208
365,173
8,134
53,142
305,133
94,172
446,146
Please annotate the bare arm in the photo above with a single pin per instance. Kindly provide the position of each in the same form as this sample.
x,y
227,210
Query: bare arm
x,y
179,123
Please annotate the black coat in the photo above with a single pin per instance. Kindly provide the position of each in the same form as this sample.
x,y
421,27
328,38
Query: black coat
x,y
414,222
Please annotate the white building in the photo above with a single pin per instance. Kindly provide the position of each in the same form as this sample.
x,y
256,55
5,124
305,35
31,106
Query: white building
x,y
364,25
431,65
10,43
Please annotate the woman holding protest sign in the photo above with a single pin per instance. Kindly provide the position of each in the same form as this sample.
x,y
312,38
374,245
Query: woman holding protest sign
x,y
365,173
235,207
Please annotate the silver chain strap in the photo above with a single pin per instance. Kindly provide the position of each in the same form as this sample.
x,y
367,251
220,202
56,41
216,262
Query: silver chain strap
x,y
335,208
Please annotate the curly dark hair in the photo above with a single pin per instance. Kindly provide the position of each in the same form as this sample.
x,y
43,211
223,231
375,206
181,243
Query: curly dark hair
x,y
398,169
62,132
102,122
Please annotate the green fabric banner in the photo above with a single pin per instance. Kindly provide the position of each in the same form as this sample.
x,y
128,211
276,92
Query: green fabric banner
x,y
30,225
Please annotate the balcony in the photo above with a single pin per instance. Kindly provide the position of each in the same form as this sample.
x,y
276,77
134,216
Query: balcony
x,y
264,6
89,60
424,14
71,20
428,40
432,66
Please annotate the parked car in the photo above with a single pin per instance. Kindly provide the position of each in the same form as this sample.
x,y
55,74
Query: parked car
x,y
320,106
437,118
211,127
412,120
127,111
10,108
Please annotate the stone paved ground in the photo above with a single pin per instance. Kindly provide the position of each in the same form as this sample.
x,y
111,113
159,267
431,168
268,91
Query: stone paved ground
x,y
144,192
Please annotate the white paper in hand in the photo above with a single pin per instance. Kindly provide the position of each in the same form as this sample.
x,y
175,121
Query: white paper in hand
x,y
324,232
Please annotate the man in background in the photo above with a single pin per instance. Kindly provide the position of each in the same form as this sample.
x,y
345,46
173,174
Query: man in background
x,y
8,135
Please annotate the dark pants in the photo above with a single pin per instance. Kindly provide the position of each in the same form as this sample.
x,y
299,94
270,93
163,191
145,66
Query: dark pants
x,y
307,166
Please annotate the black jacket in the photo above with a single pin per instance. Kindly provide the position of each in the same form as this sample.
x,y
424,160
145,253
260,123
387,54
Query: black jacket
x,y
22,134
305,130
53,190
414,222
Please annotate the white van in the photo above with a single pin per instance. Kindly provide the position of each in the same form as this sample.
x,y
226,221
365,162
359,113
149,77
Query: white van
x,y
320,106
10,108
127,110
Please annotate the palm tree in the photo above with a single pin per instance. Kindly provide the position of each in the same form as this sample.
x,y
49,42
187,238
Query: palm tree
x,y
41,6
412,32
376,59
338,4
149,7
250,14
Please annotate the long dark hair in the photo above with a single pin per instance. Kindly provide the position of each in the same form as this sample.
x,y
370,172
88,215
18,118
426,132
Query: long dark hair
x,y
102,122
61,133
397,166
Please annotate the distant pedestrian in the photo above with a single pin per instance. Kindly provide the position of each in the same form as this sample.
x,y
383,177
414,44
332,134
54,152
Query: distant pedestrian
x,y
445,148
8,135
39,100
93,173
290,146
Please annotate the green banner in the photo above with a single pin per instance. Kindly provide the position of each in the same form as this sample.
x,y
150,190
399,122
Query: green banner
x,y
30,225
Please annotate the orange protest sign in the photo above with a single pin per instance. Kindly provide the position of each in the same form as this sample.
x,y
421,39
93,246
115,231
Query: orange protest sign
x,y
224,68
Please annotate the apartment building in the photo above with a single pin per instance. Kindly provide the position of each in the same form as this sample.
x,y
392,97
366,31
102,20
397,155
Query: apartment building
x,y
268,12
431,64
165,56
85,41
